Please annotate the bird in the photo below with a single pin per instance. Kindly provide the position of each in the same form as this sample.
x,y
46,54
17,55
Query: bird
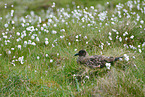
x,y
94,61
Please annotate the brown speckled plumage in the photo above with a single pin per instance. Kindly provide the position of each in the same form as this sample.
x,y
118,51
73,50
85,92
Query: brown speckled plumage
x,y
95,60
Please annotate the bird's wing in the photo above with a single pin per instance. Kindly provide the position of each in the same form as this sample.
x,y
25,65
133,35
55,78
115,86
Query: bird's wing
x,y
93,62
104,58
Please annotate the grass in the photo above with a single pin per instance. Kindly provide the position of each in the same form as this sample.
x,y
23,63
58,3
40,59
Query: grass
x,y
37,50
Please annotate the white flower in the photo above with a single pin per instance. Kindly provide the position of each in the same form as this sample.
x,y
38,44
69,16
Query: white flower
x,y
46,55
12,48
42,28
22,24
12,5
39,19
51,60
12,11
69,43
132,37
126,57
53,5
46,42
9,52
110,37
21,59
85,37
13,22
46,39
120,59
33,43
108,65
102,15
140,50
55,25
18,33
38,57
78,6
87,77
54,32
125,33
6,25
114,30
110,33
92,7
18,39
19,47
126,38
32,37
13,63
62,36
5,37
25,43
143,44
75,49
141,21
101,47
62,30
53,45
112,23
37,39
120,39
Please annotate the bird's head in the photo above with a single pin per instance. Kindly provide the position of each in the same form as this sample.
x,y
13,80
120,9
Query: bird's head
x,y
81,53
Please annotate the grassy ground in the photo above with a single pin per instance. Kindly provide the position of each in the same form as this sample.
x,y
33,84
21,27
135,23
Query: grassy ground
x,y
39,39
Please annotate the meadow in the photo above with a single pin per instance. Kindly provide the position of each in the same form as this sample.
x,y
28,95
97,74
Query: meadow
x,y
38,40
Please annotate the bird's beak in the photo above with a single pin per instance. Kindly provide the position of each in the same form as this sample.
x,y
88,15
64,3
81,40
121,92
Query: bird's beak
x,y
76,54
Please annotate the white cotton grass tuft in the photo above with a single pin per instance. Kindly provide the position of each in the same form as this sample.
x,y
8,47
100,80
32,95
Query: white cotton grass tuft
x,y
102,15
62,36
108,65
46,42
19,47
51,60
139,50
37,39
21,59
25,43
46,55
38,57
33,43
126,57
131,36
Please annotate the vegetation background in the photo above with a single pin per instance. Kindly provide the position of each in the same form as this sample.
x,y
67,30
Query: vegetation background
x,y
38,40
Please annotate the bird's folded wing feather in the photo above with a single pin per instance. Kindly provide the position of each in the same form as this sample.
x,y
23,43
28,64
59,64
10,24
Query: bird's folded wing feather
x,y
95,61
103,58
